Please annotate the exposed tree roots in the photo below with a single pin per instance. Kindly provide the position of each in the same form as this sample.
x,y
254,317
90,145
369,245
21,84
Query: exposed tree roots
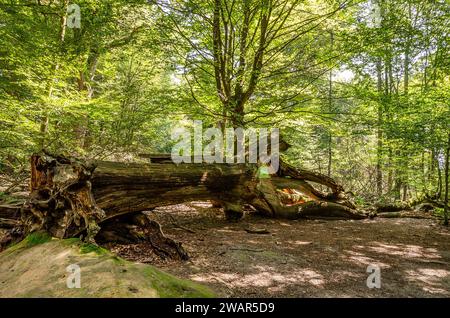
x,y
135,228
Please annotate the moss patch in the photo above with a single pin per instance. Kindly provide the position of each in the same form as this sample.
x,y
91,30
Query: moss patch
x,y
86,248
30,241
70,241
169,286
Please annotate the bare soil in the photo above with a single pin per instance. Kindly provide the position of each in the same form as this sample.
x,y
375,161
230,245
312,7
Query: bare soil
x,y
302,258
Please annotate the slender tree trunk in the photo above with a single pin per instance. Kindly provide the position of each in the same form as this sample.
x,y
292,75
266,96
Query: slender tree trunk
x,y
406,93
431,173
446,174
379,178
330,109
405,192
390,178
439,185
424,173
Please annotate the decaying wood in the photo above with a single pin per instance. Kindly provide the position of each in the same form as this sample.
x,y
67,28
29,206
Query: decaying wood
x,y
393,207
434,202
329,209
306,175
61,200
70,197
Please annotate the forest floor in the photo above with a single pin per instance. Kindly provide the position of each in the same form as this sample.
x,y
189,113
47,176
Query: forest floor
x,y
302,258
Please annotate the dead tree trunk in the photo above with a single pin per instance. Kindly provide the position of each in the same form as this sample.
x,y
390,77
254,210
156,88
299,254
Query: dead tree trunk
x,y
70,197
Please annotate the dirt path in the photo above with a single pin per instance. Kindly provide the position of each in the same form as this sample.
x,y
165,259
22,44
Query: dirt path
x,y
304,258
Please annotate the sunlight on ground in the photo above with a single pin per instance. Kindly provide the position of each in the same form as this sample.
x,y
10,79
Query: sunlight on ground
x,y
62,255
298,242
264,276
225,230
180,208
361,259
430,279
200,204
404,250
307,258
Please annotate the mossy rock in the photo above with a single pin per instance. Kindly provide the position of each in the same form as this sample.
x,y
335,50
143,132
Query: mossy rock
x,y
37,267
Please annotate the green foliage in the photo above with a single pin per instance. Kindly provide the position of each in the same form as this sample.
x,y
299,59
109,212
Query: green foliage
x,y
331,79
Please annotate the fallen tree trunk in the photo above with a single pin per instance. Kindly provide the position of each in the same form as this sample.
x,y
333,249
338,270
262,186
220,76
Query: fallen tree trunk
x,y
329,209
402,206
70,197
436,203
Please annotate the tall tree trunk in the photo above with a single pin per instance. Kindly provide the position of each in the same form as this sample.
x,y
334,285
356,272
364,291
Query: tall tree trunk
x,y
446,174
405,192
406,95
330,109
390,178
432,168
379,177
424,172
439,185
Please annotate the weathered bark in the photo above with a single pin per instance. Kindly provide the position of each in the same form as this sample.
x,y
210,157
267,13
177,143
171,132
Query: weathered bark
x,y
287,170
318,209
70,197
61,200
124,188
393,207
